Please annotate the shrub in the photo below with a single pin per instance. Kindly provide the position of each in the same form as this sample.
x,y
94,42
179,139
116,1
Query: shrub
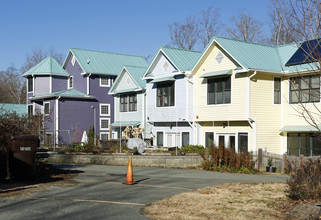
x,y
305,182
226,159
192,149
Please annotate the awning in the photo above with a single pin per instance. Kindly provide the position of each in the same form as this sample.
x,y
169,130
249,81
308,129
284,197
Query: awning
x,y
163,79
299,128
217,73
125,123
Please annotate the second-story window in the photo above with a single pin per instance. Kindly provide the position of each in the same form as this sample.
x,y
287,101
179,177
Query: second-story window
x,y
277,90
104,109
104,81
71,82
165,94
46,108
30,84
305,89
128,102
219,91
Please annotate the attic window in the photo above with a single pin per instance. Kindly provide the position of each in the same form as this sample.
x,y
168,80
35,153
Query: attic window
x,y
219,57
73,60
165,66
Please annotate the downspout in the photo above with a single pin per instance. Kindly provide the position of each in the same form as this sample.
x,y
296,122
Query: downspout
x,y
143,113
57,120
88,84
191,124
252,121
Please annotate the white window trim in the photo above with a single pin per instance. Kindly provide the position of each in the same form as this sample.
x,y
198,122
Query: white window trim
x,y
102,85
175,98
103,133
44,108
104,129
104,104
71,78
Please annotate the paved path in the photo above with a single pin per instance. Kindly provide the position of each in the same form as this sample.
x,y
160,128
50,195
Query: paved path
x,y
100,194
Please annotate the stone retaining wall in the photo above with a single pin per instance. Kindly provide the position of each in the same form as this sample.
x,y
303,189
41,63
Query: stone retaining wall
x,y
122,160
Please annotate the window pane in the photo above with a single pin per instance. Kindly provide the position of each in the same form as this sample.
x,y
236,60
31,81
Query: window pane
x,y
315,81
316,145
293,144
104,123
294,96
165,94
315,95
227,98
228,84
305,94
211,98
209,139
159,137
185,138
243,142
104,81
305,82
46,109
219,97
305,144
232,142
277,91
294,83
30,84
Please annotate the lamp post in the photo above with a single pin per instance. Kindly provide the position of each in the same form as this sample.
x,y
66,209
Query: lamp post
x,y
93,107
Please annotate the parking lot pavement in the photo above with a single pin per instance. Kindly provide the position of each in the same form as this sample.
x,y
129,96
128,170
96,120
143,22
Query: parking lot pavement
x,y
99,193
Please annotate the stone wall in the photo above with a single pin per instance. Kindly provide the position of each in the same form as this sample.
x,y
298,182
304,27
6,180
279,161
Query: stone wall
x,y
122,160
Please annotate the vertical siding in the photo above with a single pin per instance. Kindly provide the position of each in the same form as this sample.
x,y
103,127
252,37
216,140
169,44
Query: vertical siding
x,y
234,111
41,85
266,113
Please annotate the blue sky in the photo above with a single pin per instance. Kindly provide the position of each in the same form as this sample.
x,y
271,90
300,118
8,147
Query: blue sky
x,y
137,27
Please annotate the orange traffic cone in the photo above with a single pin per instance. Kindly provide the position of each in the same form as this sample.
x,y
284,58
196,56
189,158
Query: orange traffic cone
x,y
129,179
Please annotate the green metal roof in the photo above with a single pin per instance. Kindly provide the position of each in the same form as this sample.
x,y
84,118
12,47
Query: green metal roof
x,y
69,93
104,62
259,56
163,79
217,73
184,60
48,66
299,128
125,123
20,109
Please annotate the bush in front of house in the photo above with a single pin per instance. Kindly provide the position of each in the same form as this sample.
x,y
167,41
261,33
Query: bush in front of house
x,y
305,182
227,160
192,149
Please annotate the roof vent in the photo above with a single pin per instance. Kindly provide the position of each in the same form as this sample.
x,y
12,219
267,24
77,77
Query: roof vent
x,y
88,61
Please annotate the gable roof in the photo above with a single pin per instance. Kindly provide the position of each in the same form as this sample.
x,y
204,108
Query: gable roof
x,y
69,93
99,62
256,56
48,66
183,60
136,73
19,109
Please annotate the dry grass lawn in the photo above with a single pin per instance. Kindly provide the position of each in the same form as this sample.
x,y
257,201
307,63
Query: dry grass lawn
x,y
226,201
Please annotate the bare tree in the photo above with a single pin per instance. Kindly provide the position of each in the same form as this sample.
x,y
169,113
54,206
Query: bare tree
x,y
37,55
246,28
12,86
184,34
210,24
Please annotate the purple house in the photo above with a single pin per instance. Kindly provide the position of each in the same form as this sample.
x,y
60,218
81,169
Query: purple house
x,y
74,96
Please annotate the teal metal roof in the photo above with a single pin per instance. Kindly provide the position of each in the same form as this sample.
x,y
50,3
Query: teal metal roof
x,y
163,79
184,60
136,73
299,128
48,66
217,73
20,109
105,62
69,93
125,123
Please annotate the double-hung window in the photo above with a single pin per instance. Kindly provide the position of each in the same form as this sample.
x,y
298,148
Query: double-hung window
x,y
277,90
219,91
46,108
165,94
104,81
305,89
128,102
104,109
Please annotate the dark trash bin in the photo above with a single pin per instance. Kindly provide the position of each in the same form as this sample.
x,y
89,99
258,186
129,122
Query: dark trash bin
x,y
22,154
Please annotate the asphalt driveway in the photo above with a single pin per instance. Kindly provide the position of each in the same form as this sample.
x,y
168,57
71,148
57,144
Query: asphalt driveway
x,y
100,194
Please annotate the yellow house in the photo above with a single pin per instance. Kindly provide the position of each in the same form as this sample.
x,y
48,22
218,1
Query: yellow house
x,y
244,97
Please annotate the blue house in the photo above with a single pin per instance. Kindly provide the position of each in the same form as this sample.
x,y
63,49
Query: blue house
x,y
169,92
74,96
129,90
